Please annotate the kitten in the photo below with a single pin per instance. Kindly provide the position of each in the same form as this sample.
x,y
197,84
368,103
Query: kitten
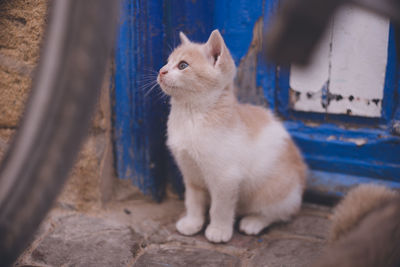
x,y
236,158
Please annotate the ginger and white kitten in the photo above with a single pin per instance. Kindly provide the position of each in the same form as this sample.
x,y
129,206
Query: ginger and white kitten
x,y
235,158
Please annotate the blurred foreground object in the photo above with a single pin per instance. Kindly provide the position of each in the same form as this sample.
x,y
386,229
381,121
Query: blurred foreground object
x,y
68,79
300,24
365,229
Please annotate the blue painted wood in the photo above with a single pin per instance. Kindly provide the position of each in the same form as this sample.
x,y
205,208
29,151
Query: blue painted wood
x,y
194,18
235,19
122,94
139,118
337,185
331,148
396,115
338,119
392,68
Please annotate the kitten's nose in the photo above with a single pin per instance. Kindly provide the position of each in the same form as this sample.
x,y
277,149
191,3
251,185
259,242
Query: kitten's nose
x,y
163,72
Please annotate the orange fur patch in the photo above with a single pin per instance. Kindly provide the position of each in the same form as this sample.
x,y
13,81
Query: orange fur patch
x,y
289,165
254,118
292,155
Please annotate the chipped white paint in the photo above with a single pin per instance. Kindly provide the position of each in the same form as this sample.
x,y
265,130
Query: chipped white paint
x,y
312,78
356,141
358,58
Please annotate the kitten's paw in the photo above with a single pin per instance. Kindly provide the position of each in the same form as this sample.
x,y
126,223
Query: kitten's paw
x,y
189,225
218,234
252,225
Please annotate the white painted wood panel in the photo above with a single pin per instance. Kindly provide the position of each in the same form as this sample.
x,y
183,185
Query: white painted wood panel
x,y
308,82
358,62
353,57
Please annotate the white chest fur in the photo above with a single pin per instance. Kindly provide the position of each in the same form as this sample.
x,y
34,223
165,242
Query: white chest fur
x,y
185,131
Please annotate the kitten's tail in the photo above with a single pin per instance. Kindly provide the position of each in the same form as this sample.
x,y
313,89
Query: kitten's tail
x,y
358,203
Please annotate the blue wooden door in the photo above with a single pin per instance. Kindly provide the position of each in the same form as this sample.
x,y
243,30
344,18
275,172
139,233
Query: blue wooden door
x,y
149,31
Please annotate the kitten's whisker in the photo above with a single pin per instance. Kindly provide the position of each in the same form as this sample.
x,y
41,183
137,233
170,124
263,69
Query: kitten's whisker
x,y
151,89
160,96
174,39
149,80
147,89
170,47
145,86
150,70
148,76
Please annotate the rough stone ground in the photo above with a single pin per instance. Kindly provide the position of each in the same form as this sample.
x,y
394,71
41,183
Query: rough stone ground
x,y
135,231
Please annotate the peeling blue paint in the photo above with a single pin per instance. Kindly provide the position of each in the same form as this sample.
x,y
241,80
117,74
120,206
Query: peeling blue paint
x,y
139,121
329,147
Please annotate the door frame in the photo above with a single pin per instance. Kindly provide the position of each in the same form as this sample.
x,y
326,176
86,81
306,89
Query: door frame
x,y
148,32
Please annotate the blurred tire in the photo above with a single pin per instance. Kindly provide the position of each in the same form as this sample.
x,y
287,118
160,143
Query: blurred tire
x,y
68,79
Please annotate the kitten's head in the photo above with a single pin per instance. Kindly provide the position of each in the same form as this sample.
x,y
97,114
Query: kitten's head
x,y
195,69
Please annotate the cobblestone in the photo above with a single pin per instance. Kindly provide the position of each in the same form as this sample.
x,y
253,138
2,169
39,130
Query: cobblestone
x,y
306,225
288,253
146,236
79,240
183,256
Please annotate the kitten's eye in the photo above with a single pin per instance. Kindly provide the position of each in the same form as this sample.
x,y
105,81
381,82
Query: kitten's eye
x,y
182,65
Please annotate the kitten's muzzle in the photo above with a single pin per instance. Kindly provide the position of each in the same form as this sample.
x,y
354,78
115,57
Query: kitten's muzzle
x,y
163,72
161,75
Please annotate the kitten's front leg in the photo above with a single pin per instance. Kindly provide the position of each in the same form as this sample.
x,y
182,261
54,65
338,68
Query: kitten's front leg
x,y
222,212
195,202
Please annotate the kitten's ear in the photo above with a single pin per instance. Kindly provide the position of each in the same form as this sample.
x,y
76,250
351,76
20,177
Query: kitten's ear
x,y
216,47
184,39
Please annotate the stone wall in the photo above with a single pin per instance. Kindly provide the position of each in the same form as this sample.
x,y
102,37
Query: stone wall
x,y
21,31
21,24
